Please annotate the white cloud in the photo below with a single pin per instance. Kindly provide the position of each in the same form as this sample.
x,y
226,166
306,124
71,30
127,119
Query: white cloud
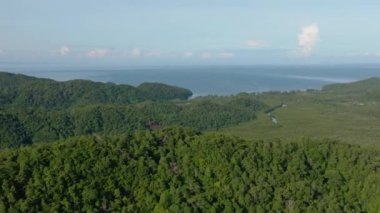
x,y
220,55
255,43
378,54
65,50
188,54
136,52
139,53
308,38
98,53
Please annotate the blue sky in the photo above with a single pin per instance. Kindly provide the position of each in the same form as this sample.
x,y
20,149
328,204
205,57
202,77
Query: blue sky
x,y
166,32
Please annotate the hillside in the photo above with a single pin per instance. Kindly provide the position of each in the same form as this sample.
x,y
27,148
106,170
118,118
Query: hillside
x,y
341,111
357,87
345,112
177,169
44,125
364,90
43,110
117,151
23,91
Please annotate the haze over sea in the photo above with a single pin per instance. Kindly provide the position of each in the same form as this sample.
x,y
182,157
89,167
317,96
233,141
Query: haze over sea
x,y
215,80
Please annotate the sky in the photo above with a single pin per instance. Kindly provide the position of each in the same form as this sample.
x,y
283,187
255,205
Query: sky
x,y
196,32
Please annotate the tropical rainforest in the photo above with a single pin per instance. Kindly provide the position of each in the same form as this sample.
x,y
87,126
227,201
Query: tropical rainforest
x,y
83,146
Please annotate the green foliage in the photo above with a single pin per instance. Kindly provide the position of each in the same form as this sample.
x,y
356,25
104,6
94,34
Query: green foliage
x,y
207,113
12,132
25,91
368,89
368,85
154,91
104,162
345,112
177,169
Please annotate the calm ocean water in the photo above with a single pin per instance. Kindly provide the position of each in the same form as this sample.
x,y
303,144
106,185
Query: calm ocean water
x,y
216,80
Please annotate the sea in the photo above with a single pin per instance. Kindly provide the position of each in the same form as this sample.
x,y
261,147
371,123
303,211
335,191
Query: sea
x,y
214,80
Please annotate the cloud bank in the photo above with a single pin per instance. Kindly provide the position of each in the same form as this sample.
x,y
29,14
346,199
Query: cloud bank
x,y
255,43
308,38
188,54
97,53
136,52
65,50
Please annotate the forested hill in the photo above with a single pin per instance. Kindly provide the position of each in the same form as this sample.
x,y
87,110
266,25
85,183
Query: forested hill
x,y
114,149
370,84
368,88
23,91
179,170
43,110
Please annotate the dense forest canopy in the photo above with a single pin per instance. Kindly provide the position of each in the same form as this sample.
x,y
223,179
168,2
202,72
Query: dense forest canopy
x,y
12,132
47,110
176,169
44,125
25,91
83,146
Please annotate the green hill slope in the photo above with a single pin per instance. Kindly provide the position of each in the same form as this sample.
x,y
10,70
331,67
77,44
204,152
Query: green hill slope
x,y
346,112
368,89
24,91
367,85
44,125
177,169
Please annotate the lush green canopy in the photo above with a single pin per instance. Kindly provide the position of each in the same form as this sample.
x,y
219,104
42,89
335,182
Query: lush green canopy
x,y
176,169
25,91
110,157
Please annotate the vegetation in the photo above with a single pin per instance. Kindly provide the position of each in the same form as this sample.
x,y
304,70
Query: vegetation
x,y
27,92
12,132
346,112
46,110
369,87
177,169
117,149
45,125
158,91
